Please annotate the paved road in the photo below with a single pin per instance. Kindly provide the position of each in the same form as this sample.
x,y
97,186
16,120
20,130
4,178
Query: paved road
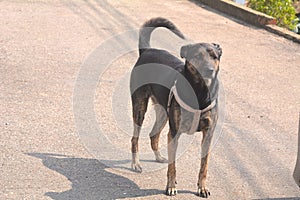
x,y
42,47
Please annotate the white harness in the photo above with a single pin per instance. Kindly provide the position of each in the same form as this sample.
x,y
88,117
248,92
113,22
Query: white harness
x,y
197,113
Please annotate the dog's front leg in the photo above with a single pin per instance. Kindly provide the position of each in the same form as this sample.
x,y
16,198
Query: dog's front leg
x,y
173,136
206,142
172,147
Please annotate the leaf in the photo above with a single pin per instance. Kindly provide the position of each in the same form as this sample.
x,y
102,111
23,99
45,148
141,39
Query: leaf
x,y
282,10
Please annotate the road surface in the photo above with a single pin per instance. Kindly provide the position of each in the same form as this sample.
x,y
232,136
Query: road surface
x,y
43,45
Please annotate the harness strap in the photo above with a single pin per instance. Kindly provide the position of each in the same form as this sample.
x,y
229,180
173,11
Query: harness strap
x,y
197,113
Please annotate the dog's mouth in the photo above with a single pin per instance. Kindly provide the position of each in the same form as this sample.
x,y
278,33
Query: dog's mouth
x,y
208,81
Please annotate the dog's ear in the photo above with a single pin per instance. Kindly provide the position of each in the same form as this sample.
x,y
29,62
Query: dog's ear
x,y
218,50
184,51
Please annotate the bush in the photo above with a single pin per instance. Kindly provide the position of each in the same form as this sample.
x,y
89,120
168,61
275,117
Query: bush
x,y
282,10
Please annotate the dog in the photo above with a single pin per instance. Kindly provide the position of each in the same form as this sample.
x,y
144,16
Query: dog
x,y
186,94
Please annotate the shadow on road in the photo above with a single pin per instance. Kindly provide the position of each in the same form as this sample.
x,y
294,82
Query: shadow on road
x,y
90,180
101,15
284,198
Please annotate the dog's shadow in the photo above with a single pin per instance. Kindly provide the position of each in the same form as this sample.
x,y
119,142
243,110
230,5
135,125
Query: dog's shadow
x,y
90,180
284,198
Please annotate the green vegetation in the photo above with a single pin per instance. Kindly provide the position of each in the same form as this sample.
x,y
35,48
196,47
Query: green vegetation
x,y
282,10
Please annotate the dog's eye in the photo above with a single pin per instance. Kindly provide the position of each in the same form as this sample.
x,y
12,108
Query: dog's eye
x,y
212,53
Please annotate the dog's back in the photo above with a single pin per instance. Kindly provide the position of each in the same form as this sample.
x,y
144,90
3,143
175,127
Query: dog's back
x,y
159,56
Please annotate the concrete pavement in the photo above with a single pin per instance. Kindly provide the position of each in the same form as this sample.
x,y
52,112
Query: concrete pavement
x,y
42,47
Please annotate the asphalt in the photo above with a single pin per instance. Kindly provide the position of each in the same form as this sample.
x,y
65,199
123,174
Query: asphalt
x,y
44,46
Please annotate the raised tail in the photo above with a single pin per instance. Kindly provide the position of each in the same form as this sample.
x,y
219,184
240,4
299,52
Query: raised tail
x,y
149,26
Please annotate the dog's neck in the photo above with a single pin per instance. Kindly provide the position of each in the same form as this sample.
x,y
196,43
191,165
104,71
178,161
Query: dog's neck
x,y
200,88
198,81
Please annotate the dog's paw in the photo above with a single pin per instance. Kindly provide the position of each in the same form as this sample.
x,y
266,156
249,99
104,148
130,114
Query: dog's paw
x,y
171,187
203,192
136,167
171,191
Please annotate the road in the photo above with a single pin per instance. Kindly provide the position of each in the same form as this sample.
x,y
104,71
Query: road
x,y
44,45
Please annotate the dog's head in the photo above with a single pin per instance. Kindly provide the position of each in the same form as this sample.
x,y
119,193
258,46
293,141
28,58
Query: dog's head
x,y
202,58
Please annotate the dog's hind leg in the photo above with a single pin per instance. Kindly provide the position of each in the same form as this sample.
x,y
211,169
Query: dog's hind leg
x,y
160,122
139,108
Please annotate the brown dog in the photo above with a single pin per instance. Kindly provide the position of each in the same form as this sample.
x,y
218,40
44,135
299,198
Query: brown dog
x,y
185,93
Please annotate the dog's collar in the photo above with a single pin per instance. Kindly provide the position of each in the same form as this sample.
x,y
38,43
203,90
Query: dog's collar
x,y
197,113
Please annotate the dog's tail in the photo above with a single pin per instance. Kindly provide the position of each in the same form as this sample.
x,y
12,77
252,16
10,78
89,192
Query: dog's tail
x,y
149,26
